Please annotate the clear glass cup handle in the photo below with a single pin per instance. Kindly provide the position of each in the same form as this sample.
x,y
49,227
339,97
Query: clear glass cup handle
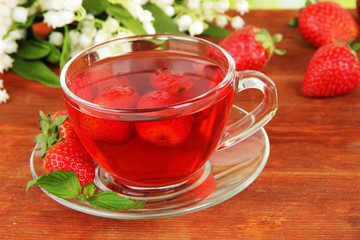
x,y
258,117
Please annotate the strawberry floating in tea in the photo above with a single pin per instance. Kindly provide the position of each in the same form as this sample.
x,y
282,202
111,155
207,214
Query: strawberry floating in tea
x,y
333,70
170,81
103,130
167,132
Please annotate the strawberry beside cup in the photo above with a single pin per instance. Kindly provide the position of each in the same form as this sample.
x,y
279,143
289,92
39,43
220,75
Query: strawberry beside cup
x,y
334,70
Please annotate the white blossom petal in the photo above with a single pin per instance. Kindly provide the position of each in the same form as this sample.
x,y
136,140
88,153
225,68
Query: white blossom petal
x,y
56,38
57,19
4,96
196,28
237,22
20,14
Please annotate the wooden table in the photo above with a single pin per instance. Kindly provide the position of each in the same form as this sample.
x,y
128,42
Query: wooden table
x,y
309,188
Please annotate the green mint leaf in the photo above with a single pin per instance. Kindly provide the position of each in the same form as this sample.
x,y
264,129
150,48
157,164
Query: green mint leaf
x,y
125,19
136,205
111,201
66,48
89,190
35,70
162,22
64,184
31,183
32,49
215,31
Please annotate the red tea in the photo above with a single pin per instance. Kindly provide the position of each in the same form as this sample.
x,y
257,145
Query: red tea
x,y
150,150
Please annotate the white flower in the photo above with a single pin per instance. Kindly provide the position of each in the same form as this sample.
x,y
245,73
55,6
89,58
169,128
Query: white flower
x,y
57,19
184,22
56,38
149,28
242,7
9,45
101,36
85,41
5,62
4,96
207,5
221,6
221,21
71,5
146,16
61,5
112,24
5,11
74,37
192,4
20,14
237,22
169,10
196,28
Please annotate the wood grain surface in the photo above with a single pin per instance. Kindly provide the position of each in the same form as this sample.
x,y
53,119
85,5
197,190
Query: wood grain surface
x,y
309,188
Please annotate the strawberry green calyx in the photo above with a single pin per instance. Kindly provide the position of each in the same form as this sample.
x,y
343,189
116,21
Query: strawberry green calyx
x,y
353,48
268,41
50,134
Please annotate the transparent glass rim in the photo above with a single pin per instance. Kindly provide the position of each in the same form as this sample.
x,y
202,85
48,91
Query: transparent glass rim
x,y
227,79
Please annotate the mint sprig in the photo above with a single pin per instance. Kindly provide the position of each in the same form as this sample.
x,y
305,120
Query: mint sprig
x,y
65,184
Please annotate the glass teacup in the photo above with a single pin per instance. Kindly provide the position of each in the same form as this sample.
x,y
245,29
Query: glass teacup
x,y
152,109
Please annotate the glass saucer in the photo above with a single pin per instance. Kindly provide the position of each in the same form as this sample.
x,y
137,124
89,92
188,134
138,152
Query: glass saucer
x,y
227,173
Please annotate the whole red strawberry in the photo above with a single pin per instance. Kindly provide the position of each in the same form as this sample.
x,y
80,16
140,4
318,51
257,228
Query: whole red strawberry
x,y
66,129
333,70
70,155
251,47
170,81
167,132
110,131
326,22
63,151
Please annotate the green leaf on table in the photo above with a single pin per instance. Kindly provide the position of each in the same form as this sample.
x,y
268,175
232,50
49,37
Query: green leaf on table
x,y
162,22
32,49
215,31
125,19
64,184
66,48
95,7
35,70
112,201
